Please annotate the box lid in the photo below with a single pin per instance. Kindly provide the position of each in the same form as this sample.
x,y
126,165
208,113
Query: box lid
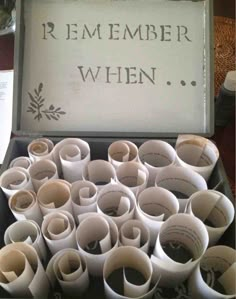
x,y
132,68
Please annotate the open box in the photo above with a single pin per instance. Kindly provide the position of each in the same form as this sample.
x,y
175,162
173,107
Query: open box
x,y
108,70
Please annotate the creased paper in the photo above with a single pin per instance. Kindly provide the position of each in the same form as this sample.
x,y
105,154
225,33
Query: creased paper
x,y
23,162
133,175
29,232
14,179
154,206
69,269
155,155
84,198
40,148
97,237
217,214
197,153
116,201
42,171
55,195
21,272
187,239
24,205
183,182
122,151
58,229
218,266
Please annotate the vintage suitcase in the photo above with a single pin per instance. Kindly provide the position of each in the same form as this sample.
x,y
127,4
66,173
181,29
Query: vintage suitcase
x,y
108,70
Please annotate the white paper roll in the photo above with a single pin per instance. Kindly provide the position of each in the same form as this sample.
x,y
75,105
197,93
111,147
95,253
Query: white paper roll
x,y
55,195
84,198
215,277
122,151
135,233
133,175
180,245
69,269
23,162
217,214
100,172
42,171
133,258
97,237
155,155
21,272
154,206
24,205
197,153
29,232
183,182
58,229
14,179
40,149
117,202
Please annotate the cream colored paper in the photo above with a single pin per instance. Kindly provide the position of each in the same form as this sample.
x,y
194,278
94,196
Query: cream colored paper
x,y
58,229
133,175
102,232
29,232
84,198
42,171
155,155
180,180
197,153
122,151
218,209
21,272
154,206
69,269
116,201
40,149
100,172
23,162
14,179
55,195
135,233
24,205
128,256
187,231
216,259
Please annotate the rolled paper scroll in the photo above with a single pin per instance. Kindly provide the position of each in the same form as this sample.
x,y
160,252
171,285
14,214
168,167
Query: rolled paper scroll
x,y
70,153
155,155
133,175
183,182
197,153
154,206
100,172
135,233
128,273
97,237
84,198
29,232
24,205
215,276
117,202
122,151
23,162
55,195
41,171
69,269
58,229
21,272
40,149
217,214
14,179
180,245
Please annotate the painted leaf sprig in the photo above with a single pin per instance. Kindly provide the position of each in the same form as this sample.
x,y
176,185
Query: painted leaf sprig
x,y
37,103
